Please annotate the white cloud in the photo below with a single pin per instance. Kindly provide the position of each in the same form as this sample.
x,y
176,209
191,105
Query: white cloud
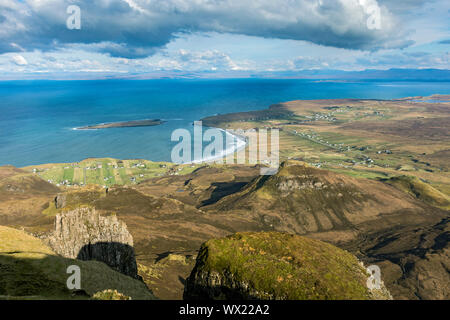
x,y
140,36
188,60
137,28
19,60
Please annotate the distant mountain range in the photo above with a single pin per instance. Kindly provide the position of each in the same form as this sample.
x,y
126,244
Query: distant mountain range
x,y
340,75
373,74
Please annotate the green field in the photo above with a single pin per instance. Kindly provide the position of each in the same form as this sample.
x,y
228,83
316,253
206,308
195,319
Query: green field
x,y
107,171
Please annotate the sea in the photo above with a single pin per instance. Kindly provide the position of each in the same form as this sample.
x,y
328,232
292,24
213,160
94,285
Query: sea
x,y
37,118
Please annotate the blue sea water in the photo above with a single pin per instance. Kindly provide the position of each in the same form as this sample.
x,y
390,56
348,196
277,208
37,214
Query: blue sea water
x,y
37,117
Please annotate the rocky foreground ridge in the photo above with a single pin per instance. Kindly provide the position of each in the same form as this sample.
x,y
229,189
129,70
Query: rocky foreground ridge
x,y
273,265
31,270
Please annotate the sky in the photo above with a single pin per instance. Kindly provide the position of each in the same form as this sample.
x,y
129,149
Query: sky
x,y
121,37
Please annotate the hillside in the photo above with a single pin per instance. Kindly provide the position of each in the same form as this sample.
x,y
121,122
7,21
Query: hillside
x,y
304,199
277,266
31,270
415,260
23,195
420,190
169,217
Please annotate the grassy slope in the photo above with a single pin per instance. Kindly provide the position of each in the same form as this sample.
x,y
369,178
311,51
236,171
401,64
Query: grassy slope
x,y
30,270
287,266
421,190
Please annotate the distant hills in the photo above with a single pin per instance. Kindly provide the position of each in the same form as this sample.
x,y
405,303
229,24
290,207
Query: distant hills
x,y
397,74
368,74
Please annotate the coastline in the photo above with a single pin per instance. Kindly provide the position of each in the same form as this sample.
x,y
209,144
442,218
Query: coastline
x,y
44,139
306,140
273,112
239,143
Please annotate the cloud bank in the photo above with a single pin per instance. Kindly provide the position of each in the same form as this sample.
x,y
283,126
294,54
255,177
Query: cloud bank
x,y
140,28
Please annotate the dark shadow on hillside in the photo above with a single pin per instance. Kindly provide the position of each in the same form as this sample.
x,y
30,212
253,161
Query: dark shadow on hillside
x,y
22,278
162,256
222,189
44,277
118,256
405,254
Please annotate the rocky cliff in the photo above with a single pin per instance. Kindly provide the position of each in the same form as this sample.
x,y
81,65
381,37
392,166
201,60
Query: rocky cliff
x,y
272,265
30,270
86,235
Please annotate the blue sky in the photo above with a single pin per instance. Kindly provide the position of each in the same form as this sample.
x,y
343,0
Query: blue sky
x,y
123,37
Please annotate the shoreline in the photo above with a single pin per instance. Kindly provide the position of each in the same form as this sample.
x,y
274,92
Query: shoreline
x,y
239,143
273,111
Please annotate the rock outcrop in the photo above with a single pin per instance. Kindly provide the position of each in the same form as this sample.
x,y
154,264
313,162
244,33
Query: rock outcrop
x,y
272,265
86,235
29,269
60,201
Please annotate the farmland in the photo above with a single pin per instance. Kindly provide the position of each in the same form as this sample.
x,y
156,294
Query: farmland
x,y
106,172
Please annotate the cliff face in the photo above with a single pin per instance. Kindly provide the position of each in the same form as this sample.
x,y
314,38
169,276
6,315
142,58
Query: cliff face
x,y
86,235
272,265
222,286
30,270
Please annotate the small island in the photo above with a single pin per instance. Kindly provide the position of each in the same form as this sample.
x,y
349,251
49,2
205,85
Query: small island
x,y
124,124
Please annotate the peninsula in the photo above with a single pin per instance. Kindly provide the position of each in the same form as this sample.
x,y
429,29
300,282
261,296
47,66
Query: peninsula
x,y
123,124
